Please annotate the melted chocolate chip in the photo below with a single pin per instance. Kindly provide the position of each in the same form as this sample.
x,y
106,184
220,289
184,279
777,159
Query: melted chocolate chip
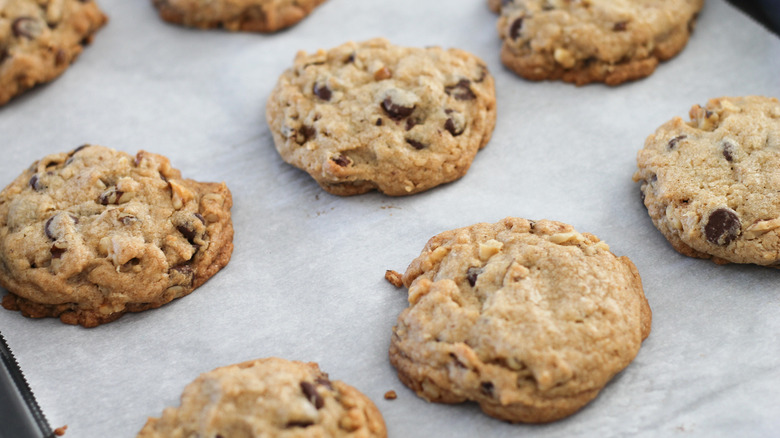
x,y
47,229
200,218
471,275
487,388
322,91
449,125
415,144
396,111
35,183
188,233
310,391
410,123
111,196
515,28
341,160
673,142
26,27
728,151
723,226
57,252
183,269
461,90
308,133
620,26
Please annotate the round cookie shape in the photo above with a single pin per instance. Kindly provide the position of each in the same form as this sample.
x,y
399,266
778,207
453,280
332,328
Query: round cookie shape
x,y
236,15
711,185
40,38
528,319
374,116
273,398
94,233
610,41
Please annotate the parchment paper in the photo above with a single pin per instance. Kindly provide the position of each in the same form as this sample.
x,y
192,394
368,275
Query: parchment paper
x,y
306,278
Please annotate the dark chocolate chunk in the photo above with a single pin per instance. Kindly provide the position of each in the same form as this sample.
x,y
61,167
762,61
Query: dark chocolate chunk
x,y
723,226
35,183
515,28
673,142
396,111
461,90
308,133
310,391
187,232
57,252
322,91
471,275
379,122
449,125
415,144
341,160
487,388
47,229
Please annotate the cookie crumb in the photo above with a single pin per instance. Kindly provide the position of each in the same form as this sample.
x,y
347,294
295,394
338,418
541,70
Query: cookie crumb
x,y
391,395
60,431
395,278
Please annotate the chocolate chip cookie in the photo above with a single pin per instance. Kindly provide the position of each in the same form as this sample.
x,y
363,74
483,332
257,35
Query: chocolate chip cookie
x,y
712,186
269,398
236,15
374,116
610,41
40,38
90,234
528,319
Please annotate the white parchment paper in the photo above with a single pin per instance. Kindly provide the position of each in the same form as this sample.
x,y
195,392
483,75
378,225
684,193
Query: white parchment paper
x,y
306,278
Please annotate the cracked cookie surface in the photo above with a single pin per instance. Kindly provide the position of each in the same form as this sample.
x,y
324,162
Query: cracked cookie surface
x,y
528,319
610,41
236,15
712,185
273,398
91,234
374,116
40,38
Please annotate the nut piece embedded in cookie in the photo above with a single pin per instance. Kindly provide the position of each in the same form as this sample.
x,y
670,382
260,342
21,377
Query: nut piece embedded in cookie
x,y
374,116
711,185
610,41
528,319
91,234
269,398
236,15
40,38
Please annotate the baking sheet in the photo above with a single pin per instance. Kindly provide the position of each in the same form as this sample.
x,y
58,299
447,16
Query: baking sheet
x,y
306,278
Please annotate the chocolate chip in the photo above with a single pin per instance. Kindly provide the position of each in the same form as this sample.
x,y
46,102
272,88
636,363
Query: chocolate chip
x,y
379,122
728,151
183,269
350,59
410,123
723,226
322,91
396,111
487,388
61,57
27,27
471,275
461,90
188,233
514,29
620,26
307,133
57,252
47,229
299,424
341,160
310,391
200,218
110,196
35,183
415,144
449,125
458,363
3,55
673,142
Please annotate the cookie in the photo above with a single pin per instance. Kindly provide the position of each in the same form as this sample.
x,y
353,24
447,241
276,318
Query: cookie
x,y
374,116
93,233
495,5
236,15
528,319
610,41
711,184
268,398
40,38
